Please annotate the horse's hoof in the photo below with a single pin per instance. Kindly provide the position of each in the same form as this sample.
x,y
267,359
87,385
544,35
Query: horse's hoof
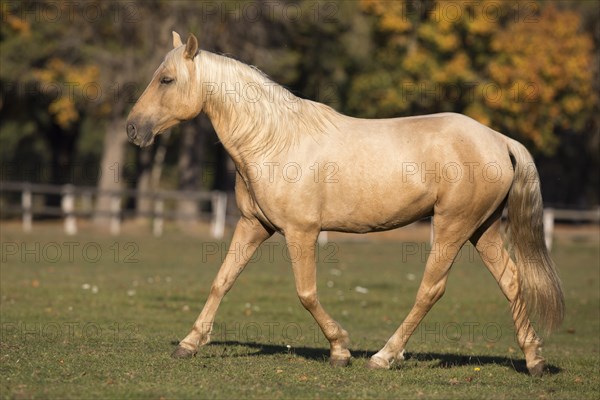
x,y
378,363
537,369
339,362
182,352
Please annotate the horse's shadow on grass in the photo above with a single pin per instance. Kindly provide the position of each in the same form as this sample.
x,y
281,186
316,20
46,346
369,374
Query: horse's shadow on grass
x,y
441,360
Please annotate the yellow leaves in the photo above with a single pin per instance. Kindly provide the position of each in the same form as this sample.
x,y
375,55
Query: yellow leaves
x,y
69,79
83,75
44,75
562,22
477,112
572,104
64,111
393,17
374,6
500,73
458,69
17,24
57,70
444,41
524,71
480,25
545,68
459,66
395,23
417,61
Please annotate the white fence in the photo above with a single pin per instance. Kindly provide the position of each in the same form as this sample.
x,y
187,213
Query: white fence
x,y
77,202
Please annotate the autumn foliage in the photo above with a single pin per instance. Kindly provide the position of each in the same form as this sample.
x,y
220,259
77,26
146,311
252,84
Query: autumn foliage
x,y
523,69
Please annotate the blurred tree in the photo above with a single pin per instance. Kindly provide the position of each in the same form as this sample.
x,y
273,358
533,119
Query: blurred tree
x,y
45,87
545,86
60,68
574,169
488,59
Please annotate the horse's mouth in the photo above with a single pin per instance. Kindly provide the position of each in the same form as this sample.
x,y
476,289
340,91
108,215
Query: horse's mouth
x,y
146,141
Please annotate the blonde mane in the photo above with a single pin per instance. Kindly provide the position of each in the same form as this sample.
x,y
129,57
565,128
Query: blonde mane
x,y
261,116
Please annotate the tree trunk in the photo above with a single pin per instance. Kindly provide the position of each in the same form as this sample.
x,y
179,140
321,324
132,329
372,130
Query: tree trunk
x,y
111,169
159,162
188,166
143,205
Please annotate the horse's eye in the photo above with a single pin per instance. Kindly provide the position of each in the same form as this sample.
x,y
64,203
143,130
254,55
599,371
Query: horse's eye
x,y
165,80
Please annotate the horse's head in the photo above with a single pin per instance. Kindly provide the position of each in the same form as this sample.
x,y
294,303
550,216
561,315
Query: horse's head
x,y
171,96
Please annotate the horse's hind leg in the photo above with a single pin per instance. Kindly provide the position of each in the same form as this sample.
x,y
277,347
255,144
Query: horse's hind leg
x,y
448,239
489,244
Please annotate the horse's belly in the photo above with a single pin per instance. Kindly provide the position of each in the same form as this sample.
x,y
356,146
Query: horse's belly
x,y
376,210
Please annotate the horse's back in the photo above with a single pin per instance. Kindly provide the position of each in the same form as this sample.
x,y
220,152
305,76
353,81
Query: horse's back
x,y
394,171
443,138
426,130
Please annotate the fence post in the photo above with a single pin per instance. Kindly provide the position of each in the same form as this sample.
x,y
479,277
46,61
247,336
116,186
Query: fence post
x,y
26,204
219,206
68,209
322,238
548,227
157,226
115,220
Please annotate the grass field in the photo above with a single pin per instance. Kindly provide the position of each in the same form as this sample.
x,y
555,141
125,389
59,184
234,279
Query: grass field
x,y
96,316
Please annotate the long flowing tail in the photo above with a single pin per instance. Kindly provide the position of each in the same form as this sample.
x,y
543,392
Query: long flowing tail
x,y
539,284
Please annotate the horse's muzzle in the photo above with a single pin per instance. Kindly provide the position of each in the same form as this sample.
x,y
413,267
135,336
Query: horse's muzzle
x,y
131,132
137,136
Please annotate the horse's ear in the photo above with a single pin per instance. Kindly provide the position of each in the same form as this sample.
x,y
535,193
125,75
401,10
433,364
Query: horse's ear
x,y
176,40
191,47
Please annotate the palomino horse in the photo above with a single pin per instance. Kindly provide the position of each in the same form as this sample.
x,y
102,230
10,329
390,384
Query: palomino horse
x,y
303,168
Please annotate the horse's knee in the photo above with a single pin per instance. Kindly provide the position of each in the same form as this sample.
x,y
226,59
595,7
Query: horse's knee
x,y
437,294
308,299
218,289
429,297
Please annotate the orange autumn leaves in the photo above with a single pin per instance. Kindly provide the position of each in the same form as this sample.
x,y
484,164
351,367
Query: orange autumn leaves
x,y
70,83
555,61
524,68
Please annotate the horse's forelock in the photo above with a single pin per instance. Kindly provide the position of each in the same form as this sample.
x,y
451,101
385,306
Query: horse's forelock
x,y
176,59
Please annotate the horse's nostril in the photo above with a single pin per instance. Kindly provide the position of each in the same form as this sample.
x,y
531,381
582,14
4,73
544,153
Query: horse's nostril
x,y
131,132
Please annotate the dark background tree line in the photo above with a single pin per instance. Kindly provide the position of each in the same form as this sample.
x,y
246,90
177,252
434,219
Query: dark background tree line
x,y
70,72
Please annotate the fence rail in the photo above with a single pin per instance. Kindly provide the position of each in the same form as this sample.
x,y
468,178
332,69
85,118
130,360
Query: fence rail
x,y
70,212
218,200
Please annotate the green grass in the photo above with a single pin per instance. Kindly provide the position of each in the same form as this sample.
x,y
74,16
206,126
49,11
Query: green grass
x,y
97,322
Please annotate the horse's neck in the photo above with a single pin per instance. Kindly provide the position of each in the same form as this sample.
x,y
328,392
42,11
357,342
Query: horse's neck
x,y
222,101
253,116
225,92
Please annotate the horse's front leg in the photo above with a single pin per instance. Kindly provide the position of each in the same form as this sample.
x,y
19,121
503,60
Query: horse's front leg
x,y
248,235
301,246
